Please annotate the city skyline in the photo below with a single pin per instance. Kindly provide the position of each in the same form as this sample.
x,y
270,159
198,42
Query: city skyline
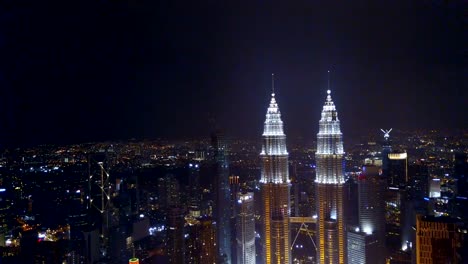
x,y
111,71
136,132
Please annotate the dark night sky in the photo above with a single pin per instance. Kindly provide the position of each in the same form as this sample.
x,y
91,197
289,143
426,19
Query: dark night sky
x,y
98,70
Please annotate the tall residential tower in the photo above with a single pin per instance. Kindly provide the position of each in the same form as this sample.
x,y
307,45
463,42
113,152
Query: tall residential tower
x,y
275,187
331,233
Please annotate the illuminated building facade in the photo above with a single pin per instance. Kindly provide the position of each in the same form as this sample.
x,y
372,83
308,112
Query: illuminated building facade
x,y
386,149
222,212
397,173
275,188
245,229
175,236
366,242
363,248
331,233
208,242
201,241
437,240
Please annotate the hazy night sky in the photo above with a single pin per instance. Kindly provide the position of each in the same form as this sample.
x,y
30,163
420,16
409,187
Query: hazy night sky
x,y
98,70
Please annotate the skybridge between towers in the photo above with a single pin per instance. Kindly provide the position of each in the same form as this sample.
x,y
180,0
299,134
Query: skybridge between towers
x,y
307,226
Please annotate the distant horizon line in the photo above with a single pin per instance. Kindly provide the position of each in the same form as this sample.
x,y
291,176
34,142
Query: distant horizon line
x,y
377,134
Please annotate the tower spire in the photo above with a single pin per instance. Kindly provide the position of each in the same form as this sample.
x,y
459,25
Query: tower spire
x,y
273,84
275,187
328,91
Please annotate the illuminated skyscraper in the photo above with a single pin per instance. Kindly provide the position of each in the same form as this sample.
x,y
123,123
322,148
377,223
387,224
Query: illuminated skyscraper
x,y
222,214
201,241
366,241
397,173
386,149
246,229
175,236
275,187
331,233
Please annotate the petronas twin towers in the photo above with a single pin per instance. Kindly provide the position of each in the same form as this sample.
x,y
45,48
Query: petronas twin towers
x,y
275,188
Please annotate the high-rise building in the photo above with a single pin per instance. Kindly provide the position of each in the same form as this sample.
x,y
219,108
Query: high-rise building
x,y
245,229
194,190
168,192
222,214
331,230
363,248
371,192
201,241
460,172
397,173
208,241
437,240
366,242
386,149
275,188
175,236
234,187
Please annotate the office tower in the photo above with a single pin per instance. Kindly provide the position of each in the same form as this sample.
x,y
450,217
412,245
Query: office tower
x,y
437,240
221,213
245,229
397,173
201,241
193,245
371,191
195,194
169,202
419,182
351,201
234,191
208,241
175,236
460,172
363,248
5,212
386,149
331,233
274,189
366,241
168,192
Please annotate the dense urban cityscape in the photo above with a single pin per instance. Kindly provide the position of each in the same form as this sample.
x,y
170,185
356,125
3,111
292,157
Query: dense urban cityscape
x,y
233,132
394,197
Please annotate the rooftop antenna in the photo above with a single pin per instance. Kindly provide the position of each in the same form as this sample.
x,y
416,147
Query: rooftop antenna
x,y
273,84
386,133
328,91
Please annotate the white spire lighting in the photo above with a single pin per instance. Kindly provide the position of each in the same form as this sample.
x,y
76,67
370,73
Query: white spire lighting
x,y
329,145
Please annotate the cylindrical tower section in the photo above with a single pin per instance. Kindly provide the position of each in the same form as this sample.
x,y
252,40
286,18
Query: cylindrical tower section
x,y
275,188
331,233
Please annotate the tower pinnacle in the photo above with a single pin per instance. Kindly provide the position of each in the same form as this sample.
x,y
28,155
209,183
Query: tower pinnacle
x,y
272,84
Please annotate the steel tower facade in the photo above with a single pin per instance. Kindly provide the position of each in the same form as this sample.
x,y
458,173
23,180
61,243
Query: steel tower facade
x,y
222,214
331,233
275,188
245,229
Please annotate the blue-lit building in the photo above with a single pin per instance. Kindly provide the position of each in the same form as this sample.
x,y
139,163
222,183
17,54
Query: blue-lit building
x,y
221,212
